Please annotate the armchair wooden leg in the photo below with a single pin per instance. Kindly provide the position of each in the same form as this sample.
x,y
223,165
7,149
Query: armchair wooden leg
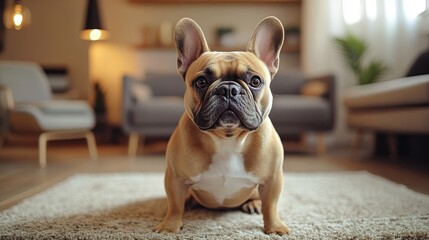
x,y
321,147
62,135
43,139
133,145
92,147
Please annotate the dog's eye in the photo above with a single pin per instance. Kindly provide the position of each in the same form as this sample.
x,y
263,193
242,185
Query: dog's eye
x,y
201,82
255,82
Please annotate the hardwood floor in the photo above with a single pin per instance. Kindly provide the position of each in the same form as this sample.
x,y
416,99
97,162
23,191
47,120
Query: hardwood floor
x,y
21,177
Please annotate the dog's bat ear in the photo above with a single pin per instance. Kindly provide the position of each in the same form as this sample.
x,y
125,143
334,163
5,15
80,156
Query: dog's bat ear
x,y
190,44
267,41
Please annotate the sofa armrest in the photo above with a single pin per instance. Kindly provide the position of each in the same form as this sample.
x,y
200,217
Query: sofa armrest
x,y
6,105
329,92
134,92
127,101
6,98
400,92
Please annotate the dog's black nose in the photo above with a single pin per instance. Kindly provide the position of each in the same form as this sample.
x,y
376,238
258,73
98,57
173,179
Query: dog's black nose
x,y
229,90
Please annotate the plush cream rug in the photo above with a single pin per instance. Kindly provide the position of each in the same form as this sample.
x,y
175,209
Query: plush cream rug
x,y
344,205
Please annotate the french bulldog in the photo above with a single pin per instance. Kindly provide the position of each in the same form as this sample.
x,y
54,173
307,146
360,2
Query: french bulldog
x,y
225,152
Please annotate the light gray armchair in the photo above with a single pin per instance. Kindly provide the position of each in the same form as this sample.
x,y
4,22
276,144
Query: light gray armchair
x,y
31,108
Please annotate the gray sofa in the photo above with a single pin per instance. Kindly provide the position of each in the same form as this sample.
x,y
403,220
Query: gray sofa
x,y
152,106
296,110
395,109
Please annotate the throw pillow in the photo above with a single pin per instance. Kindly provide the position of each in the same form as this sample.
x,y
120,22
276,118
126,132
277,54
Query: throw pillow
x,y
141,93
314,88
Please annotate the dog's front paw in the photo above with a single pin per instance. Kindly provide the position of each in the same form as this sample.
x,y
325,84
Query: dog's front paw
x,y
252,206
169,227
280,228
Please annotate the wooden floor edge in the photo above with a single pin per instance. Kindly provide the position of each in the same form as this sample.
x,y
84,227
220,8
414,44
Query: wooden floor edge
x,y
9,202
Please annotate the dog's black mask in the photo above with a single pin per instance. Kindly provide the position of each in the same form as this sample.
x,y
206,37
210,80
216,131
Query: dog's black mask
x,y
228,104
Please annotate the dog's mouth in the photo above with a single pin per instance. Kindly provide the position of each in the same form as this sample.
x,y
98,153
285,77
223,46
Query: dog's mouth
x,y
228,114
228,124
228,120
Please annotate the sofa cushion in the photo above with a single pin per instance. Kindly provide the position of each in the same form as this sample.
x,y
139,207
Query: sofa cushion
x,y
55,115
287,83
394,93
164,84
141,92
56,107
314,88
300,111
157,112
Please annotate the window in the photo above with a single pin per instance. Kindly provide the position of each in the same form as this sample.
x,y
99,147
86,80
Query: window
x,y
352,11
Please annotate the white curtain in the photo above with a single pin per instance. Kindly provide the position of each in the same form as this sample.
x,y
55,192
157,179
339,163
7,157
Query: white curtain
x,y
394,31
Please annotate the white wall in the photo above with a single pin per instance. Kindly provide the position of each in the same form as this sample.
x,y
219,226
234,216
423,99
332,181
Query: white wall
x,y
125,20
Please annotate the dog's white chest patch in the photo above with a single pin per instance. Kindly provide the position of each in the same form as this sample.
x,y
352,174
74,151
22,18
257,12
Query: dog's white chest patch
x,y
225,177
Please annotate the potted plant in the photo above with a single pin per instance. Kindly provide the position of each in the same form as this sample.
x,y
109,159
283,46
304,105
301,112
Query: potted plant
x,y
99,104
353,49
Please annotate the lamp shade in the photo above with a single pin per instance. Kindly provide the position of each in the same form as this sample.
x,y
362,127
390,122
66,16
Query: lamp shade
x,y
93,29
17,16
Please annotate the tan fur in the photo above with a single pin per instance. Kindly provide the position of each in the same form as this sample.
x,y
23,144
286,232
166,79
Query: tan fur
x,y
190,150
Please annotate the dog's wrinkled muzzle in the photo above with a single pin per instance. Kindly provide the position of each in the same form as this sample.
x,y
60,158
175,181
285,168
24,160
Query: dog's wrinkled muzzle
x,y
228,106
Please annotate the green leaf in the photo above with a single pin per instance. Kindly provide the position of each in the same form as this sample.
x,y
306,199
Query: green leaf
x,y
352,49
372,72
